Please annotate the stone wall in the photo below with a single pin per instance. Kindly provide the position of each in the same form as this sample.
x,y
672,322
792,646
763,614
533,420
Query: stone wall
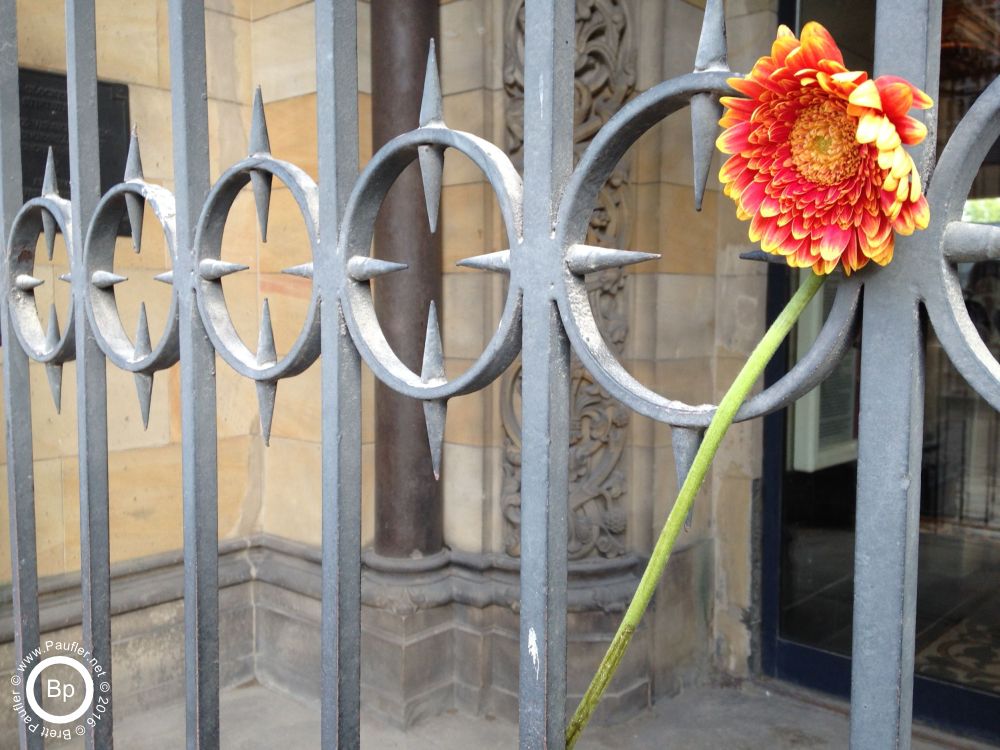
x,y
691,319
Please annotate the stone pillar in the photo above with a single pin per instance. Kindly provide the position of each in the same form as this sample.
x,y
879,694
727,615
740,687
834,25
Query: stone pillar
x,y
408,507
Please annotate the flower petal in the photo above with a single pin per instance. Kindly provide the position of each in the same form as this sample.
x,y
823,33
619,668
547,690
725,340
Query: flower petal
x,y
866,95
833,242
868,127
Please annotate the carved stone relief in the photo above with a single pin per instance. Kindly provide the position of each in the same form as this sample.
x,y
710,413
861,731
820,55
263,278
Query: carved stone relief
x,y
605,79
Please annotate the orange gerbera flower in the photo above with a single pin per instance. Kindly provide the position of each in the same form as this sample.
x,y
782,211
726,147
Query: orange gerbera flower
x,y
817,163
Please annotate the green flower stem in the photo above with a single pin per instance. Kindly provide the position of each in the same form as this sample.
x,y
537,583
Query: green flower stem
x,y
717,428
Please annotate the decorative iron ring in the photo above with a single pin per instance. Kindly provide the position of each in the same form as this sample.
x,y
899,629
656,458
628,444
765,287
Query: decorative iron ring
x,y
210,269
102,307
938,280
594,168
51,346
355,241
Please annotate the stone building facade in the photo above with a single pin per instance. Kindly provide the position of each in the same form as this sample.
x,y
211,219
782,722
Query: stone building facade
x,y
439,631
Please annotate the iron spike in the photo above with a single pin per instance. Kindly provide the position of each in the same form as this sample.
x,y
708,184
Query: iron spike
x,y
432,175
212,269
26,282
67,277
50,185
435,413
52,334
133,164
135,204
431,109
686,442
760,255
266,353
366,268
305,270
54,374
49,228
167,277
261,183
498,262
706,110
432,157
106,279
432,371
711,53
53,371
266,392
260,144
584,259
144,389
143,346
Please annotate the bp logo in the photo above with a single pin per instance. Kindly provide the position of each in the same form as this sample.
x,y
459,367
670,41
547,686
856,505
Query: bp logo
x,y
59,689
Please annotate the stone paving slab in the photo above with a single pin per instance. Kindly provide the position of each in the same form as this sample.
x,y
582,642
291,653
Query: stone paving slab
x,y
750,718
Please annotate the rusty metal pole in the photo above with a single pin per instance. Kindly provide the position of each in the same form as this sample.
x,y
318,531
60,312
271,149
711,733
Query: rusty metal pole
x,y
408,508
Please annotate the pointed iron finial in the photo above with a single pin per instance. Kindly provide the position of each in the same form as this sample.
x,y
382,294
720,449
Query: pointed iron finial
x,y
260,144
67,277
584,259
432,175
686,443
26,282
432,371
135,204
266,354
49,228
50,185
431,157
106,279
144,390
431,109
143,346
266,392
52,334
498,262
167,277
711,53
706,110
133,164
366,268
305,270
213,270
53,372
261,183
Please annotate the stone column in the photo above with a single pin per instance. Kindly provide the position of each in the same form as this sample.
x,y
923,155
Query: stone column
x,y
408,507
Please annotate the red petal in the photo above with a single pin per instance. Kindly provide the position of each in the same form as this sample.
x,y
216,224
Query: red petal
x,y
734,140
897,97
911,131
833,242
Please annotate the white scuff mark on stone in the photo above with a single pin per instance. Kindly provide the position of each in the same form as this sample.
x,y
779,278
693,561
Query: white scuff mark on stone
x,y
541,92
533,650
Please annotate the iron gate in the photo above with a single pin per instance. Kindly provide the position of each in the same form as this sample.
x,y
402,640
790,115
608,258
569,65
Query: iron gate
x,y
546,313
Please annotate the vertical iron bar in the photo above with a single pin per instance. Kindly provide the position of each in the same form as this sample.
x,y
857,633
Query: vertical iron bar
x,y
91,381
197,361
337,113
891,433
548,160
16,385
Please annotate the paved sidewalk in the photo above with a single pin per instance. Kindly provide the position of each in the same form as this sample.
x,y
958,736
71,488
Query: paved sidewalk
x,y
751,718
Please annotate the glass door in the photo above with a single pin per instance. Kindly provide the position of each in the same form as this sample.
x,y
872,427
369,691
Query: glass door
x,y
810,463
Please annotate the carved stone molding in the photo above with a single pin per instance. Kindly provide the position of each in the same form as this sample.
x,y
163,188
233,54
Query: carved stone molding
x,y
605,79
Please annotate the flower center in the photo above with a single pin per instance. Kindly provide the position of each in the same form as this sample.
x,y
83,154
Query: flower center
x,y
824,149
